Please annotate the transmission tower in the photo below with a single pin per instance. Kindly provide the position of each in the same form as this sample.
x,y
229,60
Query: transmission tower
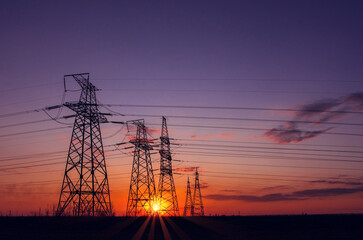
x,y
167,198
85,189
197,206
142,194
188,201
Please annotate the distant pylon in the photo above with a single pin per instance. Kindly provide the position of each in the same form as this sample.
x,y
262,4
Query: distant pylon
x,y
142,192
167,198
188,201
197,207
85,189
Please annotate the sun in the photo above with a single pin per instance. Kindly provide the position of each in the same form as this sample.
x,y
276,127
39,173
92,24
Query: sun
x,y
156,207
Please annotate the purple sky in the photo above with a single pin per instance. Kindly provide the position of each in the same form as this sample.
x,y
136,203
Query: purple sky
x,y
272,54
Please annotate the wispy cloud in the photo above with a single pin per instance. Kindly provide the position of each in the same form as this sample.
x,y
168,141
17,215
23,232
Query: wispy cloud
x,y
326,192
348,183
294,196
308,120
291,134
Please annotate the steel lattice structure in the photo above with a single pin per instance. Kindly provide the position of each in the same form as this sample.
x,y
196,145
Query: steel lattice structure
x,y
197,206
142,194
167,198
188,201
85,189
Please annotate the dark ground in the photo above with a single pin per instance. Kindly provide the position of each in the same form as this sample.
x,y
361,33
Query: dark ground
x,y
233,227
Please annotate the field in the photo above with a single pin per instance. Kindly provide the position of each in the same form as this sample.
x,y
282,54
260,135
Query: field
x,y
225,227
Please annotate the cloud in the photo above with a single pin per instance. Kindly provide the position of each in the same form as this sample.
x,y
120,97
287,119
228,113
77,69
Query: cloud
x,y
314,109
355,99
294,196
327,192
349,183
284,134
307,118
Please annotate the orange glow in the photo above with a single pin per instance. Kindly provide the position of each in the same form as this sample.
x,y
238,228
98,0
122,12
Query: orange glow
x,y
156,207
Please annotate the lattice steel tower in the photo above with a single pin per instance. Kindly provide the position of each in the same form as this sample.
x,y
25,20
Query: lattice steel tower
x,y
85,190
167,198
142,194
188,201
197,206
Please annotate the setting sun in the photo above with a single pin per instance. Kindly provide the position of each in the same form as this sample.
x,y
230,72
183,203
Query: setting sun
x,y
156,207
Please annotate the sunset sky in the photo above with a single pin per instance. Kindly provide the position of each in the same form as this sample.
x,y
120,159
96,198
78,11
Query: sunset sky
x,y
269,96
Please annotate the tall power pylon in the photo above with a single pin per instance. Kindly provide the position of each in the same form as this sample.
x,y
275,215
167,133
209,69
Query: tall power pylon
x,y
142,194
188,201
197,206
85,189
167,198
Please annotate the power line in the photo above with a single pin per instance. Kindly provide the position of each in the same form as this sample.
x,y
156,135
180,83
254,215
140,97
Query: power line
x,y
185,152
20,113
229,79
34,86
43,160
32,100
36,182
47,171
35,131
257,178
34,165
240,119
272,165
35,172
256,174
25,123
17,164
271,175
264,143
278,179
277,148
212,91
265,156
203,173
256,129
226,108
11,158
